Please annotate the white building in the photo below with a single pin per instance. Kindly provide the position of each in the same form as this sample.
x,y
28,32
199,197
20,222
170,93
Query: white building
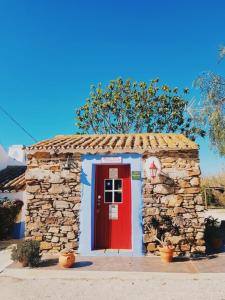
x,y
12,180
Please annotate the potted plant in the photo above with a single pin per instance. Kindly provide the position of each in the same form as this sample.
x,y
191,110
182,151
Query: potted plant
x,y
214,234
164,228
66,258
27,253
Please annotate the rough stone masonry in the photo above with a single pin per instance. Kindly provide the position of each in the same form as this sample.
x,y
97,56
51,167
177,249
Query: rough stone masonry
x,y
53,201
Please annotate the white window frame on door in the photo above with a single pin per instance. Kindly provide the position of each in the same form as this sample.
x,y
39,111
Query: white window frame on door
x,y
113,190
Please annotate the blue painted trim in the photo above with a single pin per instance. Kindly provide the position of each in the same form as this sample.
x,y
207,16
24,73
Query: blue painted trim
x,y
18,230
86,239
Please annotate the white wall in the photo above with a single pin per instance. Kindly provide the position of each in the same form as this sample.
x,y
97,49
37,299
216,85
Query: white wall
x,y
15,156
3,158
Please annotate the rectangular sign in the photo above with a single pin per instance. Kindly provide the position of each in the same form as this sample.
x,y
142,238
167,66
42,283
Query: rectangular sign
x,y
136,175
113,173
113,212
111,160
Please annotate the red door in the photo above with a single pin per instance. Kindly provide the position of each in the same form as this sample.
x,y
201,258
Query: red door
x,y
112,207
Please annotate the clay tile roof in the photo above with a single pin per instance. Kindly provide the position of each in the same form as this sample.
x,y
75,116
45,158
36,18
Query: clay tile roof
x,y
115,143
12,178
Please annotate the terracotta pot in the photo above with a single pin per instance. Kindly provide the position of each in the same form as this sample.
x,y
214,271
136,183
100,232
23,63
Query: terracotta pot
x,y
217,243
66,260
166,254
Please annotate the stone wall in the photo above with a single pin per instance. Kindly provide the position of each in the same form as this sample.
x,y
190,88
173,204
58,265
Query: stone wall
x,y
176,193
53,201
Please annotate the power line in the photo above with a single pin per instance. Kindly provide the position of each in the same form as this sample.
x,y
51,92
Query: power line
x,y
17,123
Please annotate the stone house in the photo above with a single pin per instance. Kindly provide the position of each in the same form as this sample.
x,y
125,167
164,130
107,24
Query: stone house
x,y
96,193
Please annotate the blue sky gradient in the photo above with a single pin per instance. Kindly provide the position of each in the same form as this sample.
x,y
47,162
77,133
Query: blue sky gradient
x,y
52,51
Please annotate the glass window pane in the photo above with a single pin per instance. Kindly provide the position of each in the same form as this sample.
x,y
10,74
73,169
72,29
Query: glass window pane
x,y
118,184
117,196
108,184
108,197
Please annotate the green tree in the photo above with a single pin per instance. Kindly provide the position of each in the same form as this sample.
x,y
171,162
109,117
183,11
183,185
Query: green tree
x,y
212,88
127,106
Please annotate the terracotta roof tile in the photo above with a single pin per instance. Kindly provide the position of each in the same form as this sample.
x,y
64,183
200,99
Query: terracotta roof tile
x,y
116,143
12,178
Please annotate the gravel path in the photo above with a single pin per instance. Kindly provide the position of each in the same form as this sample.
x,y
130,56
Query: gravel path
x,y
36,284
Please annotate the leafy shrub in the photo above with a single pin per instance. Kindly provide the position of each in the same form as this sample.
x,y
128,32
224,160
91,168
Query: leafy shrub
x,y
27,252
8,212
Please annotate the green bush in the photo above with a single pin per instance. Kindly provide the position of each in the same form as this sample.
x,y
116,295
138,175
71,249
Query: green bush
x,y
27,252
8,212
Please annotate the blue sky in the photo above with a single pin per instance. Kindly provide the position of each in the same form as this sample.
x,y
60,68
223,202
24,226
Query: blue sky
x,y
52,51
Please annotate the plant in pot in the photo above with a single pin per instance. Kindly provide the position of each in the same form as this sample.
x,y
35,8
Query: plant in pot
x,y
66,258
164,228
27,253
214,234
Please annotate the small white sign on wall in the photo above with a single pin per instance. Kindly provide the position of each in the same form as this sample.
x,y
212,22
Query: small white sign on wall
x,y
113,173
113,212
111,160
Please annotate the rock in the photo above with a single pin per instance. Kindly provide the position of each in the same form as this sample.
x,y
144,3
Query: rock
x,y
199,236
199,208
152,211
37,173
55,178
151,247
66,228
195,181
33,188
185,247
179,210
46,206
163,189
149,237
200,242
70,235
71,245
68,214
60,204
55,239
76,206
173,200
59,189
53,230
45,246
192,190
183,183
176,239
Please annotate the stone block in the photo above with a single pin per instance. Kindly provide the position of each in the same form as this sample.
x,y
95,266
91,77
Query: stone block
x,y
179,210
192,190
195,181
58,204
55,239
151,211
70,235
163,189
176,239
45,246
151,247
174,200
53,230
33,188
55,178
66,228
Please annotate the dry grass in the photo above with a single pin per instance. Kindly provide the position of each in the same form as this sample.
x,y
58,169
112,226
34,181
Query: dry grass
x,y
217,180
214,197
